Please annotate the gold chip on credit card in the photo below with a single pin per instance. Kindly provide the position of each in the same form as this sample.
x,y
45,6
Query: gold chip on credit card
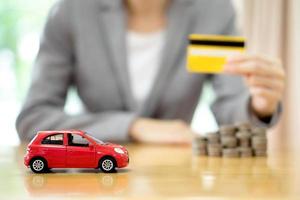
x,y
208,53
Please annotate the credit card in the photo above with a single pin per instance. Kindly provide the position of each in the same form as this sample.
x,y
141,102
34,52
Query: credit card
x,y
208,53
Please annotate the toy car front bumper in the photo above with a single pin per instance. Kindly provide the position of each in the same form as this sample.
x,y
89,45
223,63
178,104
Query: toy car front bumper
x,y
123,160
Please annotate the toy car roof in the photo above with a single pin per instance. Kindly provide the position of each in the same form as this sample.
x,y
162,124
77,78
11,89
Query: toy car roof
x,y
62,131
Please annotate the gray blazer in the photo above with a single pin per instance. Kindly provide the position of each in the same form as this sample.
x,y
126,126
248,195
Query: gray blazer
x,y
83,45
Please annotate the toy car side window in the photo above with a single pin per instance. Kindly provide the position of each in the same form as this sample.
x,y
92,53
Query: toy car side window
x,y
55,139
77,140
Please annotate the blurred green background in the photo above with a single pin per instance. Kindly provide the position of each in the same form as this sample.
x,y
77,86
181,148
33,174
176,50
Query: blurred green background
x,y
21,23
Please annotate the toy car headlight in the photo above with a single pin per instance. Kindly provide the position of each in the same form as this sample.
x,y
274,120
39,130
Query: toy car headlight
x,y
119,150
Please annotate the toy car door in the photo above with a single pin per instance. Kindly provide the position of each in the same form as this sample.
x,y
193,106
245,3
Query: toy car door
x,y
53,150
80,154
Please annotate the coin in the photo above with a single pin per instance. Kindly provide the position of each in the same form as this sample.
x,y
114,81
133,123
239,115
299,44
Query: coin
x,y
243,126
259,142
244,143
198,146
215,146
228,130
228,141
260,153
215,154
200,152
243,134
258,146
230,152
245,152
243,138
199,142
213,138
259,131
214,149
200,139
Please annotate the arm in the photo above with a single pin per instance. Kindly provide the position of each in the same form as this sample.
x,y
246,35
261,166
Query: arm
x,y
236,101
233,102
44,105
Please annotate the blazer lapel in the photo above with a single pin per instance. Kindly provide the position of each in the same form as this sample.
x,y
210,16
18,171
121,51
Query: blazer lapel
x,y
113,17
179,18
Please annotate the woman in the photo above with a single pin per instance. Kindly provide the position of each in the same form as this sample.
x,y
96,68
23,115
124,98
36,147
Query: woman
x,y
126,59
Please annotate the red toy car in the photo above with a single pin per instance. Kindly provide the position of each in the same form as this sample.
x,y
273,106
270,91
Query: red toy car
x,y
73,149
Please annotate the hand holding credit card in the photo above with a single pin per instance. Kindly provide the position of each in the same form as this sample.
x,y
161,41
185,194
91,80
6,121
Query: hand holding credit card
x,y
209,53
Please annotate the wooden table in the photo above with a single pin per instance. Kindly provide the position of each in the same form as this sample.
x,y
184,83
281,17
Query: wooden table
x,y
154,172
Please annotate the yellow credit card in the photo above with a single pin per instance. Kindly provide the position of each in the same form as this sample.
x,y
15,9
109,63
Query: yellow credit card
x,y
208,53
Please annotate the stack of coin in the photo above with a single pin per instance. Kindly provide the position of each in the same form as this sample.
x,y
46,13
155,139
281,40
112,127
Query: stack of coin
x,y
259,141
245,152
229,141
240,140
199,145
213,138
214,150
244,138
213,147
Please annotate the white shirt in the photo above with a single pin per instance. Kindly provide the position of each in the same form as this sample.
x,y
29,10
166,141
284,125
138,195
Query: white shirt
x,y
144,56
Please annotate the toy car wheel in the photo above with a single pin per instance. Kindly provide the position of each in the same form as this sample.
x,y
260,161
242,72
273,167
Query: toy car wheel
x,y
38,165
107,164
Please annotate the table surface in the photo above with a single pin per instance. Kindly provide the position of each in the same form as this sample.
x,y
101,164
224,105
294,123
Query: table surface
x,y
154,172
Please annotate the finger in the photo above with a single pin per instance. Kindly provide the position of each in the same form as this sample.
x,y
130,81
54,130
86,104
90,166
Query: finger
x,y
266,82
272,66
265,93
252,67
245,57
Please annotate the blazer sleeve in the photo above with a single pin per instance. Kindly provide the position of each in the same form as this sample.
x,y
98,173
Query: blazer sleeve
x,y
232,103
52,76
